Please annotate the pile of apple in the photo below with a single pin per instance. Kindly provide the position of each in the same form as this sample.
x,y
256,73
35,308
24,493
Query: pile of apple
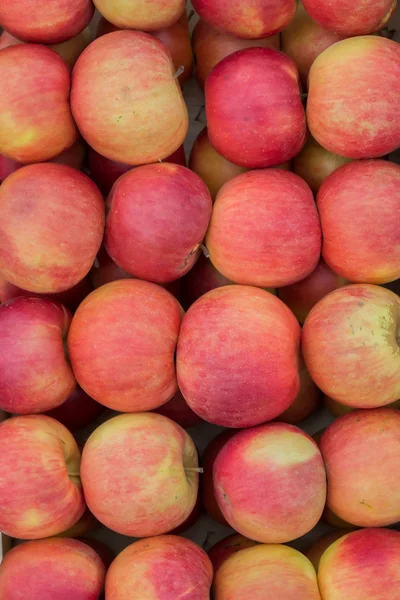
x,y
280,241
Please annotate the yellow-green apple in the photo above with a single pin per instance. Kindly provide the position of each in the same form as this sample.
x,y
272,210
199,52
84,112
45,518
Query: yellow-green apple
x,y
146,209
300,297
140,474
50,569
122,343
165,567
35,119
265,229
51,227
314,164
145,15
304,39
351,18
317,548
254,111
361,240
224,330
307,400
249,19
211,45
46,22
354,97
40,486
178,410
133,124
35,374
361,458
361,565
223,549
270,483
350,343
78,410
272,569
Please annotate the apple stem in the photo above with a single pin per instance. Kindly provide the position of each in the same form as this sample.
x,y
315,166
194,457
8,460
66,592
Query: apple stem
x,y
304,95
205,251
194,470
179,71
96,263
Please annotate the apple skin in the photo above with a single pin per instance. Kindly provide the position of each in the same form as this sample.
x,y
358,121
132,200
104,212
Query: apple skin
x,y
49,242
120,375
218,331
316,550
223,549
145,15
250,238
37,125
146,209
371,554
249,20
78,411
350,332
178,410
361,241
351,19
278,570
307,400
270,483
338,410
52,568
86,524
137,124
35,375
254,111
40,485
302,296
347,71
160,567
132,490
211,45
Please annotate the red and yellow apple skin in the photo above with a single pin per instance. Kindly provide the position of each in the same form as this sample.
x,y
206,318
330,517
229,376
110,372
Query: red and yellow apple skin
x,y
166,566
225,329
254,111
135,491
306,402
78,410
35,374
145,15
52,568
360,454
40,485
316,550
363,564
178,410
137,124
361,240
283,572
270,483
338,410
223,549
111,369
363,68
350,345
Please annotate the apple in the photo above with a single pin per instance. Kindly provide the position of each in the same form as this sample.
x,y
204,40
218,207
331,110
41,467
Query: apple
x,y
160,567
338,410
273,569
86,524
270,483
146,209
52,568
363,564
51,227
347,19
39,485
133,124
46,22
265,229
307,400
211,45
223,549
249,19
78,411
207,488
360,239
178,410
191,520
350,343
254,111
122,343
354,97
35,119
224,330
146,15
333,520
302,296
317,548
140,474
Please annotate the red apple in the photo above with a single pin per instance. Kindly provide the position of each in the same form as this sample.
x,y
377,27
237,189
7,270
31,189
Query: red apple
x,y
147,15
140,474
223,549
133,124
316,550
40,486
225,329
265,229
35,119
254,111
354,97
51,227
178,410
122,343
307,400
78,411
